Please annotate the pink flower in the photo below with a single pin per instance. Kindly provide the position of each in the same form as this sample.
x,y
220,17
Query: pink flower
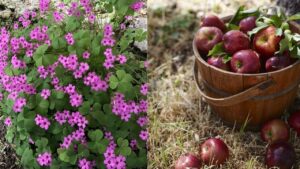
x,y
122,59
86,164
8,122
144,135
137,5
43,122
86,55
144,89
142,121
44,159
45,93
70,39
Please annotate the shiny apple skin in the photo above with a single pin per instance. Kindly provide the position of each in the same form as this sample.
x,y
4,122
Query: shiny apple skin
x,y
274,131
214,152
188,161
235,41
206,38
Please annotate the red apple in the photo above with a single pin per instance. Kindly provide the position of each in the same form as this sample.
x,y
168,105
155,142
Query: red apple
x,y
294,122
212,20
277,62
266,43
245,61
235,40
214,151
207,38
281,155
218,62
274,131
247,24
188,161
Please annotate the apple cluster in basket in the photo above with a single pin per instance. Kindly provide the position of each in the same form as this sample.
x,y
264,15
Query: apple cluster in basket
x,y
251,42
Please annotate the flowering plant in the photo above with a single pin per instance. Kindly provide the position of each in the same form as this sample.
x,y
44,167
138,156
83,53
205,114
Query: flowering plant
x,y
73,89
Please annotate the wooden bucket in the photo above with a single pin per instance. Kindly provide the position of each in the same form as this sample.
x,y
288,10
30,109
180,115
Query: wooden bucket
x,y
247,99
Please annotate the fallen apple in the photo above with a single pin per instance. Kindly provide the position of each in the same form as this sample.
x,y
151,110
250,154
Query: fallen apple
x,y
281,155
294,122
274,131
207,38
247,24
218,61
212,20
214,151
266,43
235,40
188,161
245,61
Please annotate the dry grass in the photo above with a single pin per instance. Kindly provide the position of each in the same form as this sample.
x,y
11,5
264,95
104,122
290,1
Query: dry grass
x,y
180,119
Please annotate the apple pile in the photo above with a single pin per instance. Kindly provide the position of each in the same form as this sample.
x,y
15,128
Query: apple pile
x,y
251,42
279,152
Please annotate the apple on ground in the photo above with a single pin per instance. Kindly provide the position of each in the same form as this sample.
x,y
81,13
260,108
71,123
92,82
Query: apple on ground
x,y
247,24
274,131
294,122
214,152
245,61
218,61
281,155
207,38
278,62
266,43
212,20
235,40
188,161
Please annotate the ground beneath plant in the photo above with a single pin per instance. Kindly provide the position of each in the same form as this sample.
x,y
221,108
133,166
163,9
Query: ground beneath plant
x,y
180,119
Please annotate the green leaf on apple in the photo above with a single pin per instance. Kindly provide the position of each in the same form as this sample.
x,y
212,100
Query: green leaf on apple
x,y
218,49
226,58
257,29
241,13
232,26
296,37
279,32
283,45
294,17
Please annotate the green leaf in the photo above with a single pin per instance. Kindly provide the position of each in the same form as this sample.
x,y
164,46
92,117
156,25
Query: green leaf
x,y
95,135
44,104
232,26
283,45
241,13
217,50
121,74
41,144
279,32
296,37
58,94
9,71
257,29
226,58
49,59
113,82
294,17
125,151
67,156
27,157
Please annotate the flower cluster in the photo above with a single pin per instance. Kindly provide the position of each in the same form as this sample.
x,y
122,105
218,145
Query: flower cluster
x,y
43,122
56,77
86,164
112,161
69,38
44,159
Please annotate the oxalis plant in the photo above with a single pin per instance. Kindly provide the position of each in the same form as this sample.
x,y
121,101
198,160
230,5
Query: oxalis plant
x,y
73,88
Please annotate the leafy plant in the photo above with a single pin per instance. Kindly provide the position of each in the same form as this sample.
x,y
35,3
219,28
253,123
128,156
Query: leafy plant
x,y
73,91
